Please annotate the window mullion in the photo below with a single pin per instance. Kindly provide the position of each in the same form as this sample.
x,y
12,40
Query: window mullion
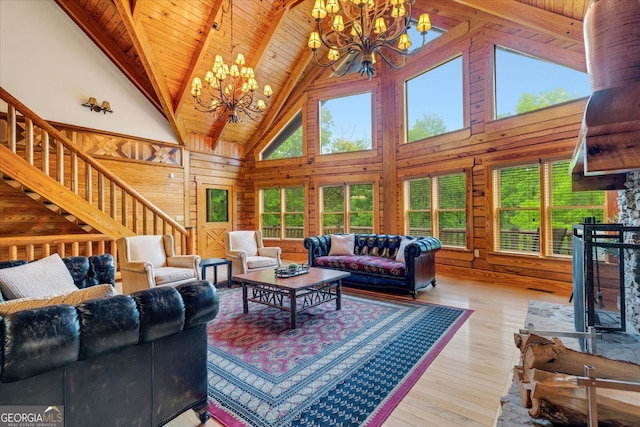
x,y
347,208
435,204
545,211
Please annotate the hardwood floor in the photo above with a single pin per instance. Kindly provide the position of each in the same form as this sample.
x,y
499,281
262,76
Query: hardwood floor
x,y
463,385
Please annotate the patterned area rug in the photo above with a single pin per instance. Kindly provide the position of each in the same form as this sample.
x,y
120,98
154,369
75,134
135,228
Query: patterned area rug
x,y
349,367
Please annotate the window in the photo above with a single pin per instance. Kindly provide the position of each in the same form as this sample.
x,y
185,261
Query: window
x,y
347,208
444,215
288,143
435,101
525,217
217,205
282,212
525,83
345,124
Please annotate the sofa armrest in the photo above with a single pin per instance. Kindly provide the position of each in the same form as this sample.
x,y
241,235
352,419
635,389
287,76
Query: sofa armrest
x,y
201,302
317,246
270,251
184,261
136,275
421,247
103,267
239,254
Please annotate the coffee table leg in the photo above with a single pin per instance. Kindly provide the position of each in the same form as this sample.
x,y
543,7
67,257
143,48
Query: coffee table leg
x,y
339,295
229,275
245,303
292,307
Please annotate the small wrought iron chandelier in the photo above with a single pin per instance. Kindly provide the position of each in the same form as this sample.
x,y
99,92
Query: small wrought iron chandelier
x,y
368,29
231,88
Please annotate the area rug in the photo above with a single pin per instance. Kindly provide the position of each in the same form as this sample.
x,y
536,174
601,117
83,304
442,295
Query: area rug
x,y
339,367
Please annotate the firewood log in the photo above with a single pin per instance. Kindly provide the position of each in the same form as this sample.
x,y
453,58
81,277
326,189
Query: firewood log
x,y
557,358
558,398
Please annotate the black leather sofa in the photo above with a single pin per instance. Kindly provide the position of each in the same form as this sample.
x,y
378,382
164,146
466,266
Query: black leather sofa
x,y
125,360
373,263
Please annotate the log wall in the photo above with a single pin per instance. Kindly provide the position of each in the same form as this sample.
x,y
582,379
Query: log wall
x,y
484,142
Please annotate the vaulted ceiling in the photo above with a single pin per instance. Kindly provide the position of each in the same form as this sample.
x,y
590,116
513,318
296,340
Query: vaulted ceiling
x,y
160,45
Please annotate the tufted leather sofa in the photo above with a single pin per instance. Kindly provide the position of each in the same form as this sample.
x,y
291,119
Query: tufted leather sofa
x,y
134,360
374,265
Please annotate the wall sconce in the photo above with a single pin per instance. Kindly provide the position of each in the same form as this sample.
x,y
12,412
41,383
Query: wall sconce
x,y
92,104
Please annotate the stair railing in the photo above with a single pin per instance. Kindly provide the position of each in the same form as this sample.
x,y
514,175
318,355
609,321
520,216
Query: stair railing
x,y
48,149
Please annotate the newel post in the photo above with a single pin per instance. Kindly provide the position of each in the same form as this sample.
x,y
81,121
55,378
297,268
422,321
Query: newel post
x,y
191,240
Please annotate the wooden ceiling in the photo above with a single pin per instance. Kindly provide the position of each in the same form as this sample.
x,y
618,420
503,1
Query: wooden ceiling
x,y
160,45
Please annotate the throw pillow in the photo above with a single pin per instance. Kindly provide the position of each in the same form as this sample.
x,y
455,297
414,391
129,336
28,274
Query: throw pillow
x,y
342,244
70,298
42,278
403,244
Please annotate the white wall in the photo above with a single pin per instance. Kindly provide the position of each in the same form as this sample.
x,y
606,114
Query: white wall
x,y
52,67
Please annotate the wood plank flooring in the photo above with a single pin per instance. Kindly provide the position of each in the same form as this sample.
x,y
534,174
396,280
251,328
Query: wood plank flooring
x,y
463,385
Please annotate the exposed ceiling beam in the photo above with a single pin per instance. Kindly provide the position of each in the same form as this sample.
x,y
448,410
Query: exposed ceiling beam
x,y
100,38
197,57
531,17
145,52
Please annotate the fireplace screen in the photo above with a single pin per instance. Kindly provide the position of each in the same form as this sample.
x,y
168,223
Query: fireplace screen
x,y
599,252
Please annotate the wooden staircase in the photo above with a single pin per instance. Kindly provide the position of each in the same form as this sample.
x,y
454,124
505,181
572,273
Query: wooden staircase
x,y
47,167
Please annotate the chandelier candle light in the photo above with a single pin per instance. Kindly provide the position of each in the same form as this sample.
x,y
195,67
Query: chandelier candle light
x,y
366,28
231,88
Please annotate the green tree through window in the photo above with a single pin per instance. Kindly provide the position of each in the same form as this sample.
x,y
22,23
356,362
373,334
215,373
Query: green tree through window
x,y
426,116
288,142
519,205
339,131
347,208
525,83
444,215
282,212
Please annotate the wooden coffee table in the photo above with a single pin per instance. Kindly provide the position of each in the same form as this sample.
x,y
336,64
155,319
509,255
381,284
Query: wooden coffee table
x,y
292,294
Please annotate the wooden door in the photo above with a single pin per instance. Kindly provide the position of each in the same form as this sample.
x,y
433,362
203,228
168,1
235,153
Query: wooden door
x,y
215,216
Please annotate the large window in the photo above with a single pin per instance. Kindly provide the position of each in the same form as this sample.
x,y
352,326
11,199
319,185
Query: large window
x,y
435,101
345,124
347,208
288,143
535,208
437,207
282,212
525,83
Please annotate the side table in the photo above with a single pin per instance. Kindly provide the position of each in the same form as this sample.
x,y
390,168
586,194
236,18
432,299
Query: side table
x,y
215,262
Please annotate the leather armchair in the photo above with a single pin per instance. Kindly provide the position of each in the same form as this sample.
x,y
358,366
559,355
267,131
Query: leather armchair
x,y
246,251
149,261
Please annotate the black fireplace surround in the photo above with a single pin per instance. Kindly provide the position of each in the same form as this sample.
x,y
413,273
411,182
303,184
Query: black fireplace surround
x,y
599,252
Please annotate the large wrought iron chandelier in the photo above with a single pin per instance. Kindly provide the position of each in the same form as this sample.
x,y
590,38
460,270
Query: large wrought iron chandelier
x,y
368,29
231,88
